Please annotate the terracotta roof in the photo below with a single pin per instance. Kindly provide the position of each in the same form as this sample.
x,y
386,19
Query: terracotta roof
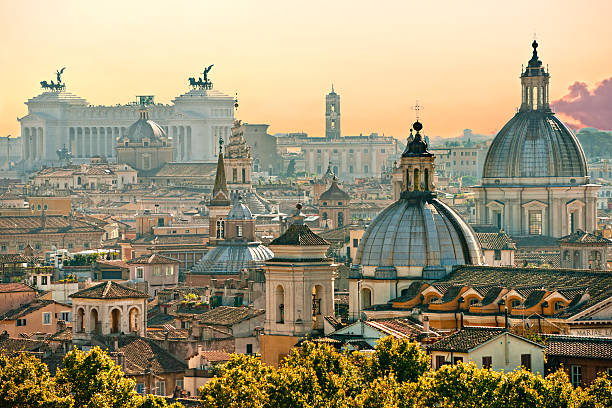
x,y
118,263
12,345
466,339
142,353
492,241
154,259
33,224
12,259
581,237
228,315
109,290
216,356
578,346
299,234
15,287
334,193
25,309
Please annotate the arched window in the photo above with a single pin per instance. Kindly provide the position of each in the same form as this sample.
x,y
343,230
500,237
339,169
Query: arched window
x,y
235,175
280,304
340,219
134,319
577,263
80,322
426,176
416,180
220,228
244,175
366,298
474,301
94,326
595,260
324,216
567,258
407,178
239,231
115,321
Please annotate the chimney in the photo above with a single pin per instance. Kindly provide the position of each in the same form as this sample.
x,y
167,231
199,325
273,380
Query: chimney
x,y
116,344
61,326
426,324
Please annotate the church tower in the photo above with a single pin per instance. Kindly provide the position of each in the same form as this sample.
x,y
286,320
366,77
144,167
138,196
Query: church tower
x,y
417,169
332,115
534,82
219,203
238,161
299,289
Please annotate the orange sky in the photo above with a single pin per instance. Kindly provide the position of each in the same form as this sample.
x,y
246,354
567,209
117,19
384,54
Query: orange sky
x,y
460,59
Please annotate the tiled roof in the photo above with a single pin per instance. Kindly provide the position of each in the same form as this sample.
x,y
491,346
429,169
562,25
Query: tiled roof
x,y
466,339
581,237
228,315
299,234
12,259
109,290
25,309
397,327
154,259
15,287
334,193
493,241
142,353
216,356
578,346
413,290
12,345
32,224
536,241
526,280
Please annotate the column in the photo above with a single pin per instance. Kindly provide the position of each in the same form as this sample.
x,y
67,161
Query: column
x,y
189,146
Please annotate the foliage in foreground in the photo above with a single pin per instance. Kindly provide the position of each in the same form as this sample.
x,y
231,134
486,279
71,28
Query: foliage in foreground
x,y
396,375
88,380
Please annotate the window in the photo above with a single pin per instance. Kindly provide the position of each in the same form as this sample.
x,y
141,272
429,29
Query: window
x,y
474,301
180,384
516,303
65,316
339,202
21,322
366,169
157,270
86,245
43,280
70,245
160,388
140,388
37,247
559,306
169,270
498,255
526,361
47,318
140,272
535,222
249,348
440,361
350,169
457,360
487,361
355,243
34,280
239,231
235,175
3,248
20,247
576,375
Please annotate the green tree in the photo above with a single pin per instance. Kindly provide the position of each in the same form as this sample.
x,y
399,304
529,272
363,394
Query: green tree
x,y
403,358
94,380
291,168
242,383
598,394
25,382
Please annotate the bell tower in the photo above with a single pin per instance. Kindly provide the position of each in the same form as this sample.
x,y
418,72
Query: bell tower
x,y
332,115
534,83
415,173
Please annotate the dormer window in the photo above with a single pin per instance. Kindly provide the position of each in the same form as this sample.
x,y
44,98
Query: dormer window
x,y
474,301
515,303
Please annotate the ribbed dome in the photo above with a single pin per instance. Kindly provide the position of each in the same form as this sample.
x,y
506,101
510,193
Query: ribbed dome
x,y
418,232
145,129
230,257
240,211
334,192
534,143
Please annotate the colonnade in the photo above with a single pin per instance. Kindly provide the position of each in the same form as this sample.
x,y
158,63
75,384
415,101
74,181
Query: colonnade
x,y
219,132
92,141
181,139
33,143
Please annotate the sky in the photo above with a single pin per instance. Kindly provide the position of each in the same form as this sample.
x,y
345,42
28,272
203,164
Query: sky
x,y
460,59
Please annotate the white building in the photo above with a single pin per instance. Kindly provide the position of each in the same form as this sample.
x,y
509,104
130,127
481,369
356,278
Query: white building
x,y
195,121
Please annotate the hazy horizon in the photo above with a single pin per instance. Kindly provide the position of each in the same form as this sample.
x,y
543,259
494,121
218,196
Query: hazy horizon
x,y
460,60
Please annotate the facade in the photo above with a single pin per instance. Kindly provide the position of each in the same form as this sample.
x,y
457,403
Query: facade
x,y
145,145
334,207
263,145
108,308
160,272
38,316
103,176
299,289
535,178
417,237
582,250
497,247
194,121
351,157
15,294
460,161
488,347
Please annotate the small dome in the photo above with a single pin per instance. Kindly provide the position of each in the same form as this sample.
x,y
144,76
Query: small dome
x,y
535,143
229,258
334,192
144,128
239,211
419,232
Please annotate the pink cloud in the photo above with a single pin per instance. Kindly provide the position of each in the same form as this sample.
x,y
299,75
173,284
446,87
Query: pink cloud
x,y
588,108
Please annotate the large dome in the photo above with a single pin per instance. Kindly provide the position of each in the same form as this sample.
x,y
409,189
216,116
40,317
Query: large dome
x,y
534,143
145,129
419,232
229,258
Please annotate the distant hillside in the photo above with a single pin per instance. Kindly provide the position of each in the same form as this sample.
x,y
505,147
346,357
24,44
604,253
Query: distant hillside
x,y
596,143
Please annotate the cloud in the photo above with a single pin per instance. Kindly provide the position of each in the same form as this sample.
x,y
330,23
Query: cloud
x,y
588,108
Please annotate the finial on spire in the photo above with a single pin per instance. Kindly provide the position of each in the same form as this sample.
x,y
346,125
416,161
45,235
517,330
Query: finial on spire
x,y
220,145
416,109
332,87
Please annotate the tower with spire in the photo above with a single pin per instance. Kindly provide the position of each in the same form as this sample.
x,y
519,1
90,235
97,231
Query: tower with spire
x,y
534,82
220,203
332,115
